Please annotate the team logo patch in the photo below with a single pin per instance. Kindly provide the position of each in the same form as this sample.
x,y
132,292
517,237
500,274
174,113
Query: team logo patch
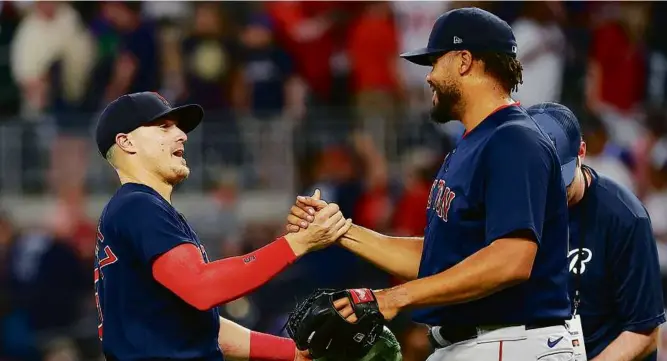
x,y
586,254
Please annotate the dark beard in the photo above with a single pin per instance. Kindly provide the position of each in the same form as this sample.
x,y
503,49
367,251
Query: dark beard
x,y
447,107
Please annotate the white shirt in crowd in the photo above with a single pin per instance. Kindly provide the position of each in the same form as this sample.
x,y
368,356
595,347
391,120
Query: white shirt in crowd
x,y
541,50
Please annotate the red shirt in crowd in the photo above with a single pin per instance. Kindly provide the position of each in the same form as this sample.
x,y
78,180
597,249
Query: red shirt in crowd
x,y
622,66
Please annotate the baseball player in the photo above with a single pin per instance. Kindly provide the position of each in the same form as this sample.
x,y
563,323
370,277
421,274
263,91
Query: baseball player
x,y
156,290
614,272
490,275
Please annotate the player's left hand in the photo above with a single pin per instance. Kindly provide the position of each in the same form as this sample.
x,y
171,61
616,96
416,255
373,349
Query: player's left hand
x,y
344,307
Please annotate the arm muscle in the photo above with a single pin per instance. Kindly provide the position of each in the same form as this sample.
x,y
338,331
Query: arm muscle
x,y
399,256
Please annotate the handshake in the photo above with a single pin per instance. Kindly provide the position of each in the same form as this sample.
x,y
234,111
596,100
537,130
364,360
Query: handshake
x,y
314,224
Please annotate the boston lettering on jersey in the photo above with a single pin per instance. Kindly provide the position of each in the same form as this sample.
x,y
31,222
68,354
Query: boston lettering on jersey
x,y
620,275
139,318
443,198
503,177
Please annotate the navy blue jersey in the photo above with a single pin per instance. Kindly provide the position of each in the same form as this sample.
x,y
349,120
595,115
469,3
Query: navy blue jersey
x,y
503,177
139,319
620,276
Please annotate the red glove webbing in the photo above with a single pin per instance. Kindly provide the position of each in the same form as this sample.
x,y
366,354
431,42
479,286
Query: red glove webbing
x,y
206,285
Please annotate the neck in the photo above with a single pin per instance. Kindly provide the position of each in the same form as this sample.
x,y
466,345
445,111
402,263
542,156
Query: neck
x,y
147,179
580,186
483,107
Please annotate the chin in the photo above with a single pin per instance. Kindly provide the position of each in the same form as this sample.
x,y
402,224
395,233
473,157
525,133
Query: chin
x,y
441,116
179,175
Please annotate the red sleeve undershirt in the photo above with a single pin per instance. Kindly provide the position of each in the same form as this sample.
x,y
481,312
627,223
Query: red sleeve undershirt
x,y
206,285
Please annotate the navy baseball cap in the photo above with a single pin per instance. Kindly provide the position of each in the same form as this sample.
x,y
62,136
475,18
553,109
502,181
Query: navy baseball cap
x,y
470,29
563,128
132,111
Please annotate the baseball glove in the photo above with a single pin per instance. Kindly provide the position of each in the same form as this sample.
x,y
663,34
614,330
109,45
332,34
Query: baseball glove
x,y
315,325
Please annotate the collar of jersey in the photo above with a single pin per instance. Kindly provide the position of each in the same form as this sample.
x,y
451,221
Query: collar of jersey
x,y
489,121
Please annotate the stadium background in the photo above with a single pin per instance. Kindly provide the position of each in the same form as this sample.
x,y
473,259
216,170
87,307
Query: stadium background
x,y
297,95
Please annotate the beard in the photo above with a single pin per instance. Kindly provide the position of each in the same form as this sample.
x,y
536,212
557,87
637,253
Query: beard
x,y
178,174
447,104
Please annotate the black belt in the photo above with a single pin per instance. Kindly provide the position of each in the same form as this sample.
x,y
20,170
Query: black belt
x,y
458,334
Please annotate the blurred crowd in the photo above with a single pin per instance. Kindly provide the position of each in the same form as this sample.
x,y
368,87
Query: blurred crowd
x,y
298,96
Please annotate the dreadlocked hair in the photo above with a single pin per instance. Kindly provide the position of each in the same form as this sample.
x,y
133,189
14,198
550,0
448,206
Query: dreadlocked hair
x,y
505,68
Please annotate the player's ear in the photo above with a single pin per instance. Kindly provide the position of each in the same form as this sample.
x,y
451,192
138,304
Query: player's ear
x,y
124,142
465,62
582,151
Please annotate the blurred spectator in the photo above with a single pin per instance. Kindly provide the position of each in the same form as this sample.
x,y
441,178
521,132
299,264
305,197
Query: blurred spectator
x,y
373,53
130,62
414,21
603,155
61,349
51,35
52,56
305,29
212,73
541,50
44,265
409,218
275,101
657,41
10,96
656,204
656,124
211,60
272,85
656,200
216,219
616,84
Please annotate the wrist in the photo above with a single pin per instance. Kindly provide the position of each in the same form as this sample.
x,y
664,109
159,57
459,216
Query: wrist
x,y
353,234
295,242
397,297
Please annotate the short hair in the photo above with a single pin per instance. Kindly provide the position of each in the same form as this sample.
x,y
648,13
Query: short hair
x,y
507,69
110,155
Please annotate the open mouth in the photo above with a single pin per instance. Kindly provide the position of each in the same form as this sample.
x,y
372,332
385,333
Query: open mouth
x,y
179,153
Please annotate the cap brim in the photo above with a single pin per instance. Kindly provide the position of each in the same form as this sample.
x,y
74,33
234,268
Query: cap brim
x,y
422,56
187,116
567,170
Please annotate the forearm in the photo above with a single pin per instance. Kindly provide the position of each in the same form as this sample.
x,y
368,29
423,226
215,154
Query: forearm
x,y
482,274
205,285
630,346
399,256
240,344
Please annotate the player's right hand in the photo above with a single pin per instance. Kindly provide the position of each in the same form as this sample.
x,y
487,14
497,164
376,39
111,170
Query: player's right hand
x,y
327,226
303,211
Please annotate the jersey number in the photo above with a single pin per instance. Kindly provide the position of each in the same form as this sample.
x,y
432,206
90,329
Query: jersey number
x,y
109,258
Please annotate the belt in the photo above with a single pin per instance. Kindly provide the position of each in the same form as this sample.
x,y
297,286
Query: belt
x,y
451,335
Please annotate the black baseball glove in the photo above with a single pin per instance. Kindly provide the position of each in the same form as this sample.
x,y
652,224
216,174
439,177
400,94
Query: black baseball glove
x,y
315,325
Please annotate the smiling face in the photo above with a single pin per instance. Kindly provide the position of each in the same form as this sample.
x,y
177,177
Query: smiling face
x,y
446,87
158,147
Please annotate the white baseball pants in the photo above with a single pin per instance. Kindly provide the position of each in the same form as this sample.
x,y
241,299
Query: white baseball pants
x,y
511,344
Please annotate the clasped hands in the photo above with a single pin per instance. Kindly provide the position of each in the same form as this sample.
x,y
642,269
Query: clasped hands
x,y
312,215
